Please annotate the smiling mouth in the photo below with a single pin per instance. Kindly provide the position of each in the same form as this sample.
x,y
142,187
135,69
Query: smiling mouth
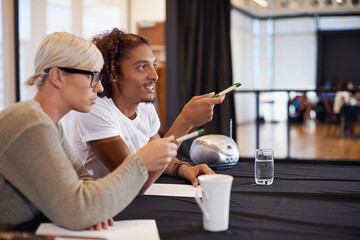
x,y
150,87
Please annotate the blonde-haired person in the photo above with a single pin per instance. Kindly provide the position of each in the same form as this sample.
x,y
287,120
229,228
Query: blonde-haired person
x,y
39,172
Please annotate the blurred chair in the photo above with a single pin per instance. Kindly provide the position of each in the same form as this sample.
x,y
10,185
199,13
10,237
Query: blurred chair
x,y
333,120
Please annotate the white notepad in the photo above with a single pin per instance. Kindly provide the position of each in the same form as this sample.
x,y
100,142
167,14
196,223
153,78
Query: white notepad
x,y
129,229
172,190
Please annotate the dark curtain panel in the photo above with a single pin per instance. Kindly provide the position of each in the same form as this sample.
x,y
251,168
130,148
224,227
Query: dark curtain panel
x,y
338,58
204,59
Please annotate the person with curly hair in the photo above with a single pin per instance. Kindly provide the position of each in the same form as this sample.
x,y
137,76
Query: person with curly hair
x,y
39,171
124,118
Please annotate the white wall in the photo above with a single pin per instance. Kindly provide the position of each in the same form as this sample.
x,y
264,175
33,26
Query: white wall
x,y
271,54
146,11
242,62
295,53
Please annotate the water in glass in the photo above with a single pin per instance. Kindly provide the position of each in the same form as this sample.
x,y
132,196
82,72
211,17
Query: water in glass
x,y
264,167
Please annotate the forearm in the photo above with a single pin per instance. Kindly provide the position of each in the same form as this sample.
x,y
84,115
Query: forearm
x,y
110,151
153,176
49,181
195,113
179,128
179,170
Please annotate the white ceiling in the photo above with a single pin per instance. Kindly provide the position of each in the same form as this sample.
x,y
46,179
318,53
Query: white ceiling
x,y
277,8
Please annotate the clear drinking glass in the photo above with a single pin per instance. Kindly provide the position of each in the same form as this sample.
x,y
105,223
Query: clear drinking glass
x,y
264,166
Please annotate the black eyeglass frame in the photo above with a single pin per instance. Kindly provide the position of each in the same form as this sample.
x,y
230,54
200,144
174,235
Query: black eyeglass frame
x,y
94,81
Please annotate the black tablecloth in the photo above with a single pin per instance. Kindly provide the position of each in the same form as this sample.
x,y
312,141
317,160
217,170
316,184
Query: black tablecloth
x,y
306,201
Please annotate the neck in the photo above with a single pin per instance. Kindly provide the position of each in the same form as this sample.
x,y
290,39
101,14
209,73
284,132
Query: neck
x,y
51,105
127,108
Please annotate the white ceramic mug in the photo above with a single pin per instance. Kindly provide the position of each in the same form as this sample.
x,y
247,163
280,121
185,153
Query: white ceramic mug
x,y
215,189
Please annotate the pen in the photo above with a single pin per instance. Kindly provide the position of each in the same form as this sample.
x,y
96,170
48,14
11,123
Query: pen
x,y
229,89
188,136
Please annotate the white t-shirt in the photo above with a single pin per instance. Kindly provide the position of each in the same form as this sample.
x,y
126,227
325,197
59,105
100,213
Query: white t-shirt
x,y
338,100
105,120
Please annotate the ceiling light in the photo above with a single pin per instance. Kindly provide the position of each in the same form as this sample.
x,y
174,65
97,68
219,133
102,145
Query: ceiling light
x,y
341,2
263,3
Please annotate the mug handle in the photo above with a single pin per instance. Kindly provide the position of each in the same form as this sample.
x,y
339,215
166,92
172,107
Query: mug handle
x,y
200,203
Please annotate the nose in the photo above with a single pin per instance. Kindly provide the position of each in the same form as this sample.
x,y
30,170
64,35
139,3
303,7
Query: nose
x,y
99,88
153,75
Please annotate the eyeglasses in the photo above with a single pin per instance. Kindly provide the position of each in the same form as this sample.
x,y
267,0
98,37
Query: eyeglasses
x,y
95,76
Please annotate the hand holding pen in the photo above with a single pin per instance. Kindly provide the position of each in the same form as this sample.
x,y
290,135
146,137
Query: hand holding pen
x,y
189,136
229,89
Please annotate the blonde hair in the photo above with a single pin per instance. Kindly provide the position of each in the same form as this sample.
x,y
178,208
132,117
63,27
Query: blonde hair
x,y
62,49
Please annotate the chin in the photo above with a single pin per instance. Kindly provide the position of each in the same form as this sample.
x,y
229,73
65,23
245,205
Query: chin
x,y
84,109
151,100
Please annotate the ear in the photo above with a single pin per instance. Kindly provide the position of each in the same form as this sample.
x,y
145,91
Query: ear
x,y
55,77
113,77
117,76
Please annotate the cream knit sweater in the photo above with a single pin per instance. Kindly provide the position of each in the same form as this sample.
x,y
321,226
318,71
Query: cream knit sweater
x,y
39,172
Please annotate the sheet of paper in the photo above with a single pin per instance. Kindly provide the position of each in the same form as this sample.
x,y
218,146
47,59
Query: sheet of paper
x,y
129,229
172,190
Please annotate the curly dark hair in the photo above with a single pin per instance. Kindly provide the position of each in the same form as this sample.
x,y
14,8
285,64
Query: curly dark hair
x,y
115,47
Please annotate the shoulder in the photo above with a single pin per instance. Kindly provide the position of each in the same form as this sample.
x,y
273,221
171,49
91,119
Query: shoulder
x,y
19,117
148,111
24,114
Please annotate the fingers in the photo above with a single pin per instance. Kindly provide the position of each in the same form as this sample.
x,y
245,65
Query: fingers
x,y
169,138
209,97
97,227
195,171
206,95
216,100
170,148
205,169
194,181
157,154
105,225
111,222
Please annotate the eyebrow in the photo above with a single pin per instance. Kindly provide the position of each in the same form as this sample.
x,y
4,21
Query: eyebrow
x,y
144,61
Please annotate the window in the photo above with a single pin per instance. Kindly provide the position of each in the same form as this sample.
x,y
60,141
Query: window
x,y
38,18
276,54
